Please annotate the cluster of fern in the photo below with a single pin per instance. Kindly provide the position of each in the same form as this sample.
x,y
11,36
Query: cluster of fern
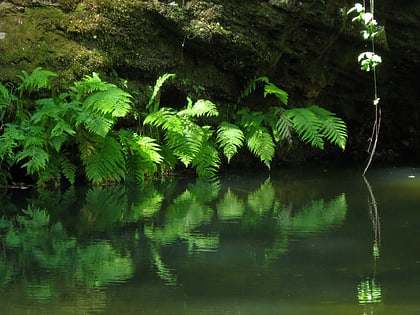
x,y
74,134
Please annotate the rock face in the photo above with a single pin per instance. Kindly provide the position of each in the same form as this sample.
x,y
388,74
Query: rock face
x,y
309,48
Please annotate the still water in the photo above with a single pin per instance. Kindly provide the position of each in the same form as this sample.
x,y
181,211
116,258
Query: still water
x,y
289,242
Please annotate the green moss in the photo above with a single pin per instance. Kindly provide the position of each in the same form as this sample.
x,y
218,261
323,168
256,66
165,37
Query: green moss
x,y
38,39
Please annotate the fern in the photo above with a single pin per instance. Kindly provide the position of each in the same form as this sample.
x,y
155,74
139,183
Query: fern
x,y
182,135
103,159
10,140
271,88
261,144
165,118
185,138
149,147
251,86
37,158
6,99
284,127
153,103
230,138
68,169
37,80
200,108
111,100
89,84
257,136
207,161
142,155
94,122
332,128
307,125
187,144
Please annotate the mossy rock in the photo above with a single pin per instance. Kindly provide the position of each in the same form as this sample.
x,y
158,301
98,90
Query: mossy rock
x,y
36,38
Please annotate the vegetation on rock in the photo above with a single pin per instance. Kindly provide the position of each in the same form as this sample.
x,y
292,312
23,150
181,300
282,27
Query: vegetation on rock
x,y
70,131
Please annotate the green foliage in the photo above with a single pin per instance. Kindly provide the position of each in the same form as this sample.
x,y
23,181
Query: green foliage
x,y
153,104
230,137
142,155
265,130
257,136
37,80
186,139
103,159
82,117
74,133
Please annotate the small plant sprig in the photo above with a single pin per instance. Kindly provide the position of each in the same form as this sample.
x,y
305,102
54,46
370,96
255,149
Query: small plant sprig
x,y
368,61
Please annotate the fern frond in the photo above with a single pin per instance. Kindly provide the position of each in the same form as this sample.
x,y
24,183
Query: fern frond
x,y
230,138
333,128
153,104
103,159
187,144
37,80
88,85
207,162
261,144
6,98
111,100
142,155
95,123
57,141
68,169
251,119
149,147
284,127
37,158
252,85
200,108
307,126
165,118
282,95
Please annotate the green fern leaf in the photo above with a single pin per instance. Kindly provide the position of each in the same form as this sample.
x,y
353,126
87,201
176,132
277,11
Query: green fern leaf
x,y
88,85
37,158
332,128
230,139
153,103
165,118
282,95
57,141
252,85
103,159
6,98
149,147
284,127
200,108
207,162
68,169
37,80
187,144
307,126
112,101
95,123
261,144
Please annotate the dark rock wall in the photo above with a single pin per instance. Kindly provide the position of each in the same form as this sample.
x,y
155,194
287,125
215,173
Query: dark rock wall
x,y
309,48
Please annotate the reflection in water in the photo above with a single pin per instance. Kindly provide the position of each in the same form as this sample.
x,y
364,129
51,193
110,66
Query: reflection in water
x,y
220,247
368,290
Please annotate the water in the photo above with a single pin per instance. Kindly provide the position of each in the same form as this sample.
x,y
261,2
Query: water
x,y
292,242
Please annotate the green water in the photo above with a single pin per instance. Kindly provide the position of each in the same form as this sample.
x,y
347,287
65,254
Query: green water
x,y
292,242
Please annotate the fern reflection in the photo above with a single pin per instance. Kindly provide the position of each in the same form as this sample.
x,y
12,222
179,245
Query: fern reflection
x,y
195,220
117,231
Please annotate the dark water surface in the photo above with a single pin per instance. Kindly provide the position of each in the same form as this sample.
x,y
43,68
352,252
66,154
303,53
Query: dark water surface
x,y
295,242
